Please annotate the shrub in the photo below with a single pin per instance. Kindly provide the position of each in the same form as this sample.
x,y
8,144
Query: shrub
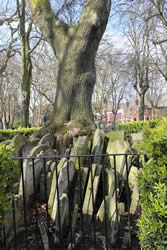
x,y
153,190
16,124
10,133
137,126
7,176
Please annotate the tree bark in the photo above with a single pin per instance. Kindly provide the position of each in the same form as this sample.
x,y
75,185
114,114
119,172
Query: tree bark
x,y
26,82
26,64
114,121
75,49
141,106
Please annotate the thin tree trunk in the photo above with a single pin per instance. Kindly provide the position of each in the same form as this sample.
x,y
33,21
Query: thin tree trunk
x,y
4,120
141,107
26,65
114,121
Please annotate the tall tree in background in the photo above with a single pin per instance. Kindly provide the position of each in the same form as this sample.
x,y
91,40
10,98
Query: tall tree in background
x,y
8,50
75,48
26,62
140,59
112,81
156,16
26,28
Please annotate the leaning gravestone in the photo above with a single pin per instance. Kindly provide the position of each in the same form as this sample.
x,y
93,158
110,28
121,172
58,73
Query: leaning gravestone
x,y
81,147
98,143
19,141
56,173
90,197
118,147
48,140
28,170
66,177
115,135
19,222
133,184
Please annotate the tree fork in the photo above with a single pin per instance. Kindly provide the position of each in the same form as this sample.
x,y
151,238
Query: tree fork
x,y
75,49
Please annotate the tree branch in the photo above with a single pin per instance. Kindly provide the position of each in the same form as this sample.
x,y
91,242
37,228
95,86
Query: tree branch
x,y
7,19
160,42
42,93
91,13
51,26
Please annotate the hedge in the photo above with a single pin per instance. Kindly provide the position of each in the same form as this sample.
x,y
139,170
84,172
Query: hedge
x,y
153,189
137,126
8,174
10,133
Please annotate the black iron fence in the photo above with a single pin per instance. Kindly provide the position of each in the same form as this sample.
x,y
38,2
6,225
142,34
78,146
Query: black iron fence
x,y
73,202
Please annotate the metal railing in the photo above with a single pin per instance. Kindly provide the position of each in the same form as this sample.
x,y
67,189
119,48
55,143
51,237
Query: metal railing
x,y
30,225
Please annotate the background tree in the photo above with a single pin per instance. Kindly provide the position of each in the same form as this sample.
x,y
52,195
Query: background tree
x,y
157,90
111,82
8,37
8,65
26,51
140,59
158,20
9,94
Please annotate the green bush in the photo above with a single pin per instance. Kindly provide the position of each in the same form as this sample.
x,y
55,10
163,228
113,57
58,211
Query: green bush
x,y
10,133
137,126
7,177
153,190
16,124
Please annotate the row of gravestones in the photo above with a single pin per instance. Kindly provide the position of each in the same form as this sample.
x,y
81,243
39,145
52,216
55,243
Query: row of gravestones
x,y
46,146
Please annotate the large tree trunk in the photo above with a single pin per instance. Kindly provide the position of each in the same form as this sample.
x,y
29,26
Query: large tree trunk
x,y
75,49
76,80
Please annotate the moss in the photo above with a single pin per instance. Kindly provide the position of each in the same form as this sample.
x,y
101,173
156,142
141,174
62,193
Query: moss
x,y
82,124
75,124
62,130
115,135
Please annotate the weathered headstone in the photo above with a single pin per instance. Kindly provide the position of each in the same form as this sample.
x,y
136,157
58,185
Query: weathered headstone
x,y
48,139
115,135
91,192
108,213
18,142
98,143
54,182
64,213
82,176
33,171
133,184
66,178
118,147
110,182
19,221
80,148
